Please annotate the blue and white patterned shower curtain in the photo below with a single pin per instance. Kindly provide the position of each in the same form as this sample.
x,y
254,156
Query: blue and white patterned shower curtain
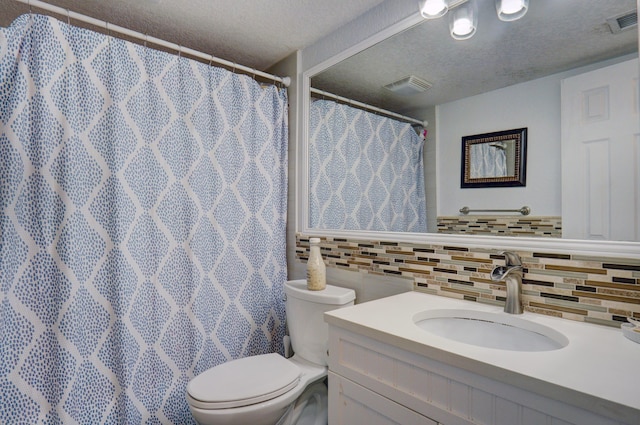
x,y
488,160
365,171
142,208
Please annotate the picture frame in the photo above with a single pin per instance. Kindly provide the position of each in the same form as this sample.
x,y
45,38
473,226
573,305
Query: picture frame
x,y
497,159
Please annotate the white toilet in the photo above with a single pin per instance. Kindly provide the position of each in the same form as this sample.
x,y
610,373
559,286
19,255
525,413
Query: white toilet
x,y
268,389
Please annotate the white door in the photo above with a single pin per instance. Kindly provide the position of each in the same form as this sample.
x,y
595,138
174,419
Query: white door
x,y
601,154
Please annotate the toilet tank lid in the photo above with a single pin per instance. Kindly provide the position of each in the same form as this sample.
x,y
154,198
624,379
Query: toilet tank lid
x,y
334,295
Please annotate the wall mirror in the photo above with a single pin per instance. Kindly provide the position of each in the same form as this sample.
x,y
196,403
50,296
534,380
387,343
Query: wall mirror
x,y
497,159
498,79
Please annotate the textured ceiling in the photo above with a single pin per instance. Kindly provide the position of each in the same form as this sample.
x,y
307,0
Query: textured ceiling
x,y
554,35
252,33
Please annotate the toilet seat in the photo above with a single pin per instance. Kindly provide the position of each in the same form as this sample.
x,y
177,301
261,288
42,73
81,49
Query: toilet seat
x,y
243,382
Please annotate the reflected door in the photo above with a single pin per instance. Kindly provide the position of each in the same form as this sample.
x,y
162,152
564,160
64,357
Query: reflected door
x,y
601,154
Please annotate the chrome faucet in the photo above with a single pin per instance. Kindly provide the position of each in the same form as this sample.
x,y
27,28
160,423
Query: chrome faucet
x,y
511,273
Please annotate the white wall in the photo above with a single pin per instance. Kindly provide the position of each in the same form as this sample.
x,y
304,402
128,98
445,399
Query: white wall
x,y
289,66
535,105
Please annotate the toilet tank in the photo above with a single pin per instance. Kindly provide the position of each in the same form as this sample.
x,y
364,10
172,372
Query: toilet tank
x,y
305,309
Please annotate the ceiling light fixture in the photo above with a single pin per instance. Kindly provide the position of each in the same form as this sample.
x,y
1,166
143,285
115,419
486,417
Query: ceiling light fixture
x,y
432,9
464,21
511,10
464,13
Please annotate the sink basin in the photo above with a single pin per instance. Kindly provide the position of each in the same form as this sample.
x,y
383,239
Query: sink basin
x,y
491,330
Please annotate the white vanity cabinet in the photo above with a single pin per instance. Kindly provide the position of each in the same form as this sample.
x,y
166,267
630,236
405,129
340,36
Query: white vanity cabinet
x,y
378,376
374,383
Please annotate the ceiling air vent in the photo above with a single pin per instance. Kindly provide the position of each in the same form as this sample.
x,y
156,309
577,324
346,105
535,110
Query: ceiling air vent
x,y
623,22
408,86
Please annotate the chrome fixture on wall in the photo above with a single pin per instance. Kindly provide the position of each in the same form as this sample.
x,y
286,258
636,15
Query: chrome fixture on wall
x,y
463,20
524,210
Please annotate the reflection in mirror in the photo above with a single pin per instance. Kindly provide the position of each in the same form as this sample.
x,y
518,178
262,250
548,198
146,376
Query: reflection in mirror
x,y
365,171
468,93
496,159
487,160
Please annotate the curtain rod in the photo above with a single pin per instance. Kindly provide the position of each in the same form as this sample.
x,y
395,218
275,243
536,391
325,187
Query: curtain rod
x,y
286,81
370,107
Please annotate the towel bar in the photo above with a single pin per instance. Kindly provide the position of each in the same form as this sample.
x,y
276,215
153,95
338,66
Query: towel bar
x,y
524,210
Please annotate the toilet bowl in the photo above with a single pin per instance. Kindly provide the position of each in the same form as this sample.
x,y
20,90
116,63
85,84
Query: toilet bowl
x,y
211,404
268,389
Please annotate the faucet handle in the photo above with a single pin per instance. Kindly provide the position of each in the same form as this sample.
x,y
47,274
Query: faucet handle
x,y
511,258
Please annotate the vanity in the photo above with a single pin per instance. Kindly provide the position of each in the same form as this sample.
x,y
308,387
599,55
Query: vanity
x,y
388,364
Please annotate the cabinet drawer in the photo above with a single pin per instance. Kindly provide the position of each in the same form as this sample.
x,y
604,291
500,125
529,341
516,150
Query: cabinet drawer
x,y
350,403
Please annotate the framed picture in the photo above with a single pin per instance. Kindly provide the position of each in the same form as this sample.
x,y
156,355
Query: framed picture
x,y
494,159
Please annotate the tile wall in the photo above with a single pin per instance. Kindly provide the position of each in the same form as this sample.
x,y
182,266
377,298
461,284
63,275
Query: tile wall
x,y
591,289
492,225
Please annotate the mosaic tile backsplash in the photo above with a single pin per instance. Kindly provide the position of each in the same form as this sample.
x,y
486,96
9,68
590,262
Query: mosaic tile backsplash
x,y
491,225
598,290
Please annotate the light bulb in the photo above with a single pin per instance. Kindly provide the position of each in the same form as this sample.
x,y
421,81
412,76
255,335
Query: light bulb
x,y
462,26
434,8
511,6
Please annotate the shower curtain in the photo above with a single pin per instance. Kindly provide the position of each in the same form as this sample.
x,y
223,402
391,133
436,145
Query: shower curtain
x,y
365,171
488,160
142,208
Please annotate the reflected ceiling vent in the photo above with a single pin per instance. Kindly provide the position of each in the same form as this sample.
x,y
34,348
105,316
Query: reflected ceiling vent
x,y
408,86
623,22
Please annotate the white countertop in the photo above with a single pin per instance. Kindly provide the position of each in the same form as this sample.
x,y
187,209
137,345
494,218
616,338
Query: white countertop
x,y
599,370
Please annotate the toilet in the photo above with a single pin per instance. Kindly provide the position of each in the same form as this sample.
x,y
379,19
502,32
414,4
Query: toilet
x,y
269,389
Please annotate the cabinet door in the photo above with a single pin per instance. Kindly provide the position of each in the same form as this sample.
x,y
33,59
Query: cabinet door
x,y
350,403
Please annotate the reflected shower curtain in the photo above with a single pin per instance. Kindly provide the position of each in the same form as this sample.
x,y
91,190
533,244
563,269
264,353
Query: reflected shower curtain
x,y
365,171
488,160
142,208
